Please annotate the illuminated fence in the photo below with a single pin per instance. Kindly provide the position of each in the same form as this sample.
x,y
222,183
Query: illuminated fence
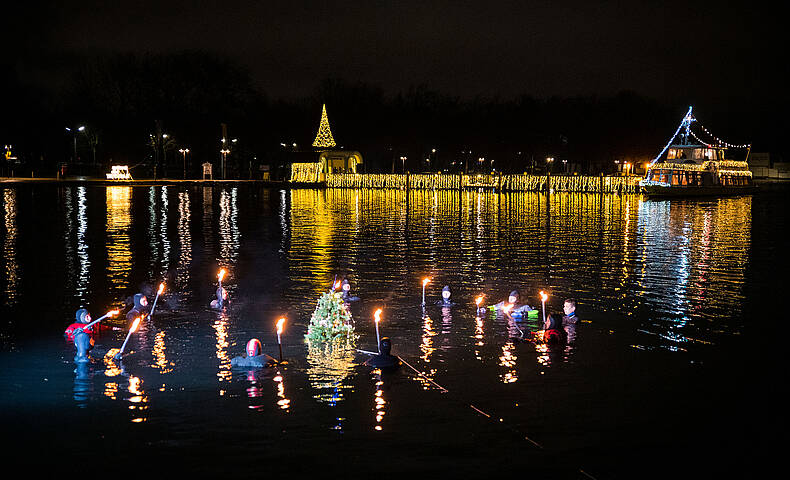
x,y
305,172
511,183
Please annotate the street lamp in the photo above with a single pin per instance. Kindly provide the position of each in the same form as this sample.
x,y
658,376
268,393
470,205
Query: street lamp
x,y
549,161
403,163
224,153
79,129
184,152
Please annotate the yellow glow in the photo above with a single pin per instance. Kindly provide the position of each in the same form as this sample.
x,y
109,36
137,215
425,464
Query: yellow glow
x,y
135,325
425,281
478,300
113,313
543,296
119,251
377,315
161,288
221,274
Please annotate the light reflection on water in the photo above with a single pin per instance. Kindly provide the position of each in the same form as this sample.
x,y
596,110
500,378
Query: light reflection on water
x,y
669,273
118,247
11,269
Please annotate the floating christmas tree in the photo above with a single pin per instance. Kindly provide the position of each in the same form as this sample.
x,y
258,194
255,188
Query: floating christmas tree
x,y
331,320
323,138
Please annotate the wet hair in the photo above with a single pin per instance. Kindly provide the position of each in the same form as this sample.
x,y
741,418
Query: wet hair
x,y
555,321
571,301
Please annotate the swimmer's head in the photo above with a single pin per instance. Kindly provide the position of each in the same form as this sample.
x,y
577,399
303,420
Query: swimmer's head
x,y
446,292
385,345
140,301
83,316
253,347
513,298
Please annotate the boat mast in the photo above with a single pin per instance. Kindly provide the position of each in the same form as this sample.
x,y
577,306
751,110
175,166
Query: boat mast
x,y
687,121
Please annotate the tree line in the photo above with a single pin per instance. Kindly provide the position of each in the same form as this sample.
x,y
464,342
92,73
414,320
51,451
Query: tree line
x,y
141,109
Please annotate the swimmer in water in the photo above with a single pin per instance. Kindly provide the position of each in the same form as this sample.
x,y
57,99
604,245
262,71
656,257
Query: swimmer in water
x,y
255,358
83,317
222,299
140,307
569,320
445,301
512,306
345,290
552,333
384,360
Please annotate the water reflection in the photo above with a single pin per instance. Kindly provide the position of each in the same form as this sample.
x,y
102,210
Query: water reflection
x,y
283,403
221,331
9,247
508,360
694,255
119,251
330,369
184,242
159,353
138,400
83,277
379,402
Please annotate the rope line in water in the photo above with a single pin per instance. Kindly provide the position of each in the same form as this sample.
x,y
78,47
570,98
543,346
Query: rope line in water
x,y
444,390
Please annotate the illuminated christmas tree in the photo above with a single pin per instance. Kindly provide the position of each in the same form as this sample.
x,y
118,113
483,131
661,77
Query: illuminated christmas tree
x,y
323,138
331,320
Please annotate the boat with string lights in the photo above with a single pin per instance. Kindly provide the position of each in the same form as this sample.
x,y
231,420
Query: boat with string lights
x,y
690,165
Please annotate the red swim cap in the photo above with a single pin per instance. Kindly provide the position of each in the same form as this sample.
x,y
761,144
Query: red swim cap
x,y
253,347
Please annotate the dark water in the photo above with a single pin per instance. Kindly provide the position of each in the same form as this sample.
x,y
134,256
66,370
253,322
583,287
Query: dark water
x,y
663,378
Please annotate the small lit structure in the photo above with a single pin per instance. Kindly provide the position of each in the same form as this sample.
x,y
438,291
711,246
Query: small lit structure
x,y
207,171
119,172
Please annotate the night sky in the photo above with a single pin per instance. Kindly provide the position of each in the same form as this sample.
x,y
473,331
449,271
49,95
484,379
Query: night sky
x,y
673,51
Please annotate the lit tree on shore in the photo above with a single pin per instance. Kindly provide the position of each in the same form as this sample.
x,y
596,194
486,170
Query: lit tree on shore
x,y
323,138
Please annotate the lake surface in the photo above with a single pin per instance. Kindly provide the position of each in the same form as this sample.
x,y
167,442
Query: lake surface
x,y
669,363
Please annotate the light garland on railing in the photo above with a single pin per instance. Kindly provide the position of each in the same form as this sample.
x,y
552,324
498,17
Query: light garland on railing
x,y
507,182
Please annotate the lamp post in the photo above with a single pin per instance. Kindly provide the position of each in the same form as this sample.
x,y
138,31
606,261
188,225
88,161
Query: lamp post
x,y
403,164
74,134
184,152
224,153
549,161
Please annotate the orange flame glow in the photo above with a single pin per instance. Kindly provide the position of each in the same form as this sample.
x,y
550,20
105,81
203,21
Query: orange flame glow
x,y
113,313
161,288
543,296
221,274
280,323
135,325
479,300
425,281
377,315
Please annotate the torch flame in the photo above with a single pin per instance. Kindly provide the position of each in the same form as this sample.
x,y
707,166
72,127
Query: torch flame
x,y
280,323
135,325
478,300
425,281
507,308
543,296
161,288
112,313
221,274
377,315
337,285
